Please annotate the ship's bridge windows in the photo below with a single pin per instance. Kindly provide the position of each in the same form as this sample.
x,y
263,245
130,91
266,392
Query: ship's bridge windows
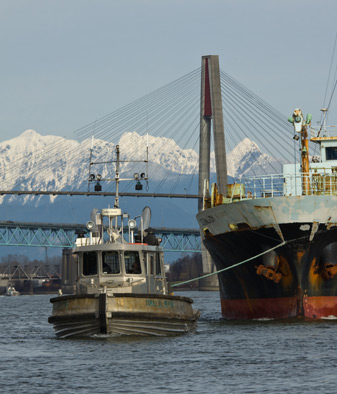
x,y
331,153
132,263
110,262
89,265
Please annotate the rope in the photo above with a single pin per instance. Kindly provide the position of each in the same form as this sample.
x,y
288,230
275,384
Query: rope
x,y
232,266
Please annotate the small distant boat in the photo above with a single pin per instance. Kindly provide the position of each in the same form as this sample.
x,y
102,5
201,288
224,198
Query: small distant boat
x,y
10,291
121,284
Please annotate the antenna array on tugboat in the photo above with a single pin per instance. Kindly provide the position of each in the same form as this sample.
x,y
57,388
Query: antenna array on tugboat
x,y
98,178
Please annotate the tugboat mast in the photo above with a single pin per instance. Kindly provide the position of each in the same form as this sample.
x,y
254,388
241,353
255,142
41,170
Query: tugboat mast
x,y
117,178
136,177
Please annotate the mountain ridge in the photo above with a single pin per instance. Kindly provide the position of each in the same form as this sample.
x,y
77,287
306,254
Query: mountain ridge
x,y
35,162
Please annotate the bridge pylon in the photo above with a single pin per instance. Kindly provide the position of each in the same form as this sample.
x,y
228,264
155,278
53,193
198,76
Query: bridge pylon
x,y
211,118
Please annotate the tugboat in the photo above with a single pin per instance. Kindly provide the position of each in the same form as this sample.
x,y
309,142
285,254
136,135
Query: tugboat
x,y
121,285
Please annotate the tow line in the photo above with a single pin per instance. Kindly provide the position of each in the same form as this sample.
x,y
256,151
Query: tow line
x,y
232,266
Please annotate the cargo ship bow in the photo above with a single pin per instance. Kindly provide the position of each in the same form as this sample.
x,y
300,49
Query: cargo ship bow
x,y
273,238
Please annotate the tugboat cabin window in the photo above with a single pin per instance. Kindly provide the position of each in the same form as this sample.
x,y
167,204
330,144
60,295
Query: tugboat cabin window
x,y
89,263
158,269
152,271
155,264
110,262
331,153
132,263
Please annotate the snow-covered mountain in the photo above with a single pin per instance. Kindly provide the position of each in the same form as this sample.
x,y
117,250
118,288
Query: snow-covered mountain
x,y
35,162
246,159
163,152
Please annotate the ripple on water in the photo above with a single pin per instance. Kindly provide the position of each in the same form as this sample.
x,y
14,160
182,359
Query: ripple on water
x,y
221,357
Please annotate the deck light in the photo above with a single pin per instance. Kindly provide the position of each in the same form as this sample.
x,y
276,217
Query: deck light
x,y
132,223
90,225
98,187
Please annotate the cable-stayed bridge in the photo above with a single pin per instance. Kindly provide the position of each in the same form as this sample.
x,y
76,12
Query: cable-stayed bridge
x,y
169,124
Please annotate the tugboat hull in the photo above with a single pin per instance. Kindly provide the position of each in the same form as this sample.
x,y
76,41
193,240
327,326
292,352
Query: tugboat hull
x,y
122,314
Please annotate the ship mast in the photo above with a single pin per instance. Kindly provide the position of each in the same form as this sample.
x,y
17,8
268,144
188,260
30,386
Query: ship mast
x,y
301,127
305,160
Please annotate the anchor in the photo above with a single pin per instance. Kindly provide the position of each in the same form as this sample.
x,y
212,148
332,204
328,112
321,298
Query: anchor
x,y
269,273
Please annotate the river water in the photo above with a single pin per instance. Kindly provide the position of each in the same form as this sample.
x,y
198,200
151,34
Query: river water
x,y
220,357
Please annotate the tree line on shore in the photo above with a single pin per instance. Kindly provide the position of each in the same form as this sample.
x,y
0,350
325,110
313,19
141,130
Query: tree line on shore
x,y
17,265
185,268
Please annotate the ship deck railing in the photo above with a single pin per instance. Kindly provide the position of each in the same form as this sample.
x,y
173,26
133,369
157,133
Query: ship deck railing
x,y
277,185
323,131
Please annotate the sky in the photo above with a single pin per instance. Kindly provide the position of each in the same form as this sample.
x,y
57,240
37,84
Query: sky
x,y
65,63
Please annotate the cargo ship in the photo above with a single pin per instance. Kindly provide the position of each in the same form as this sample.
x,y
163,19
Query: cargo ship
x,y
273,239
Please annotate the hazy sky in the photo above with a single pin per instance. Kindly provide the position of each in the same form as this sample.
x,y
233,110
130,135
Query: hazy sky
x,y
65,63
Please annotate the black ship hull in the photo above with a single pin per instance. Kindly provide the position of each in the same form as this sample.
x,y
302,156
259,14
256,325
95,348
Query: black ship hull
x,y
294,273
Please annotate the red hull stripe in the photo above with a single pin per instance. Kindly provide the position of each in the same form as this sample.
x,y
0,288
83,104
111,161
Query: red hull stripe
x,y
318,307
279,308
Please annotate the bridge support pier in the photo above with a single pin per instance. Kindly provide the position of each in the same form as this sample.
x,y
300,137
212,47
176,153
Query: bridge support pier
x,y
210,283
211,115
68,272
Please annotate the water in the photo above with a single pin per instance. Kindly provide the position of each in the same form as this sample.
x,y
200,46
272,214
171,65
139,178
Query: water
x,y
221,357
